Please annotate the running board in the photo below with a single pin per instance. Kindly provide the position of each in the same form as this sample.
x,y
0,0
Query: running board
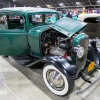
x,y
24,60
77,92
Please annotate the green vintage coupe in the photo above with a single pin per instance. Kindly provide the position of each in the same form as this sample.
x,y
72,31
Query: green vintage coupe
x,y
35,37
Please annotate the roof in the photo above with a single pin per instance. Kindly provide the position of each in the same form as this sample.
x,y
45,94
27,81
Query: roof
x,y
26,9
81,17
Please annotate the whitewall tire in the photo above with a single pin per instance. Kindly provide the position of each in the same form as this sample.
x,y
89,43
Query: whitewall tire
x,y
57,81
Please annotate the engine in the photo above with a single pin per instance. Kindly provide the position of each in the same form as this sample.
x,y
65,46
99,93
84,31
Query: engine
x,y
57,51
55,43
58,44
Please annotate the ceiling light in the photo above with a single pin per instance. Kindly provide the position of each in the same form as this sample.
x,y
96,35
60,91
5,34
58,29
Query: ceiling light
x,y
48,5
98,1
38,6
77,3
14,0
61,4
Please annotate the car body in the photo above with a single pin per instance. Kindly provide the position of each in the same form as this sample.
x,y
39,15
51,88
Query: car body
x,y
93,30
93,27
58,46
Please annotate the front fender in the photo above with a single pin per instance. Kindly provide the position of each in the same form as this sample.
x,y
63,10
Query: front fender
x,y
62,64
94,55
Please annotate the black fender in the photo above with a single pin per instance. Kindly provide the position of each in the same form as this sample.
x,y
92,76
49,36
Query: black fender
x,y
94,55
62,64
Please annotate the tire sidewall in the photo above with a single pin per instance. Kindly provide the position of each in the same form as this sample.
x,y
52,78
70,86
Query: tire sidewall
x,y
66,81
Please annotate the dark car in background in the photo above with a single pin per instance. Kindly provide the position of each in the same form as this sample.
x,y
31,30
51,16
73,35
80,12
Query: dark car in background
x,y
93,27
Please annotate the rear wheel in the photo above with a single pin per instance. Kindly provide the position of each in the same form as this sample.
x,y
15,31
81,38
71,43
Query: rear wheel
x,y
56,81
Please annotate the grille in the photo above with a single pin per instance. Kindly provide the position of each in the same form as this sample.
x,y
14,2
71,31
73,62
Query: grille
x,y
80,63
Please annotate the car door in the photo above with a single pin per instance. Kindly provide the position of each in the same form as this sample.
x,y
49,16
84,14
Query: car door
x,y
92,26
13,35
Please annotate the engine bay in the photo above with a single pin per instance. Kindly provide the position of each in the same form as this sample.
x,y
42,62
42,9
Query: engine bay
x,y
55,43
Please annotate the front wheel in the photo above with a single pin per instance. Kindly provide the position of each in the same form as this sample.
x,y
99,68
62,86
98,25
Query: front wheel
x,y
56,81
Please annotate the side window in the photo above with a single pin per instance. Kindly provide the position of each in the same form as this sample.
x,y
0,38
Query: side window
x,y
91,20
15,22
39,19
8,22
35,20
50,18
3,22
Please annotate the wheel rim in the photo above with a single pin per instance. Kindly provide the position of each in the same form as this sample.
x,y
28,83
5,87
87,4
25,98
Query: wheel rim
x,y
55,80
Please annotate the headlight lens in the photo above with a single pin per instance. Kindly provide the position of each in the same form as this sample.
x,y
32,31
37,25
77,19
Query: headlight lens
x,y
78,51
95,43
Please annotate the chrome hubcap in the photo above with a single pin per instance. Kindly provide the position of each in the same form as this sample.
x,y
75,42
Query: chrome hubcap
x,y
55,80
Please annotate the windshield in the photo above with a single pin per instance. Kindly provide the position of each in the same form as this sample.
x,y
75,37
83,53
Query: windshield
x,y
39,19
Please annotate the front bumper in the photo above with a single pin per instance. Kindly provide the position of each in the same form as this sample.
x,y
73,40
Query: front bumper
x,y
77,92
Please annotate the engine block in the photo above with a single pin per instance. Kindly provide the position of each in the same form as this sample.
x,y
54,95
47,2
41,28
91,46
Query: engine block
x,y
57,51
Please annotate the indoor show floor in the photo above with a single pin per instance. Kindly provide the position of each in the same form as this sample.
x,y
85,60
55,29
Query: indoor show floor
x,y
20,83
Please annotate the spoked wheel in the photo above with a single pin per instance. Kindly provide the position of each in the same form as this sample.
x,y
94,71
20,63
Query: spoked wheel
x,y
56,81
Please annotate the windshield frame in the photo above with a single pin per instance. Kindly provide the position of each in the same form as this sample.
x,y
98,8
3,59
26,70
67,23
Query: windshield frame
x,y
44,15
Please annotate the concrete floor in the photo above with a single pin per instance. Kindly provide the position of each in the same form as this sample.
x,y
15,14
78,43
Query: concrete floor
x,y
20,83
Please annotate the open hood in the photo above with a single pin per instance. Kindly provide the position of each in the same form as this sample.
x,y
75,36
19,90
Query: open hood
x,y
68,26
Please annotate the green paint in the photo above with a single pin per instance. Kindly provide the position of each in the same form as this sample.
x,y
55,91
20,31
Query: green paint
x,y
34,39
68,26
18,42
78,38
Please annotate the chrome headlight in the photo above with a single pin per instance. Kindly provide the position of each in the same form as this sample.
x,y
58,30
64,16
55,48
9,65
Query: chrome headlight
x,y
95,43
78,51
